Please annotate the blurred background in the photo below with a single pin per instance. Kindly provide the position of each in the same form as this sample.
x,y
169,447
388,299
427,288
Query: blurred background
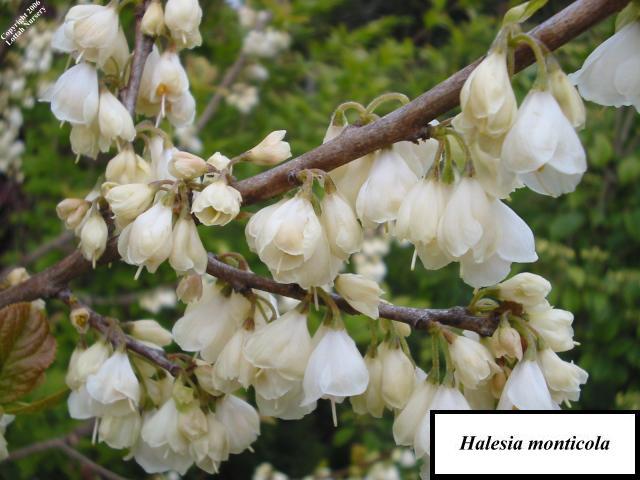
x,y
328,52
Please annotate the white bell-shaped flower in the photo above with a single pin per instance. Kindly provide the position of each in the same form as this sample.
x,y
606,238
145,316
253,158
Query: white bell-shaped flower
x,y
418,220
211,449
85,139
341,225
554,326
398,376
115,380
147,242
114,121
608,75
182,18
381,195
232,369
120,431
161,430
195,331
290,240
335,370
360,292
284,345
512,241
408,419
93,237
473,363
371,402
217,204
270,385
91,32
240,420
467,223
158,457
563,378
187,252
527,289
129,200
526,389
543,148
487,99
491,172
75,95
150,331
287,406
444,398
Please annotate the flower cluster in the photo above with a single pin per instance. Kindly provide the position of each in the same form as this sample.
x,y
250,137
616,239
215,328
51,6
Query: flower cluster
x,y
17,92
445,195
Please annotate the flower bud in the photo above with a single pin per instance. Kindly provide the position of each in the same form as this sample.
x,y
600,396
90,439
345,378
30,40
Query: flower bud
x,y
130,200
271,150
91,359
525,288
339,220
487,98
219,161
185,165
150,331
114,120
359,292
72,211
188,253
505,341
79,318
93,237
190,288
152,23
72,379
16,276
127,167
567,97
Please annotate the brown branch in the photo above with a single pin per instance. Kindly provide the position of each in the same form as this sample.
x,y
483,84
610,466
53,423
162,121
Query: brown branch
x,y
418,318
65,444
141,51
104,326
229,78
409,122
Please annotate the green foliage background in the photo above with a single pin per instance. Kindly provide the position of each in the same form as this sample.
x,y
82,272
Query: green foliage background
x,y
588,241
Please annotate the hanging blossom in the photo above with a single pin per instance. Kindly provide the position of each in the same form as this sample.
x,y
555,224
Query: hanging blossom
x,y
444,195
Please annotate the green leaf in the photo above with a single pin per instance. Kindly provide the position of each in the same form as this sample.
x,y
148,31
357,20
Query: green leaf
x,y
27,348
521,13
20,408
